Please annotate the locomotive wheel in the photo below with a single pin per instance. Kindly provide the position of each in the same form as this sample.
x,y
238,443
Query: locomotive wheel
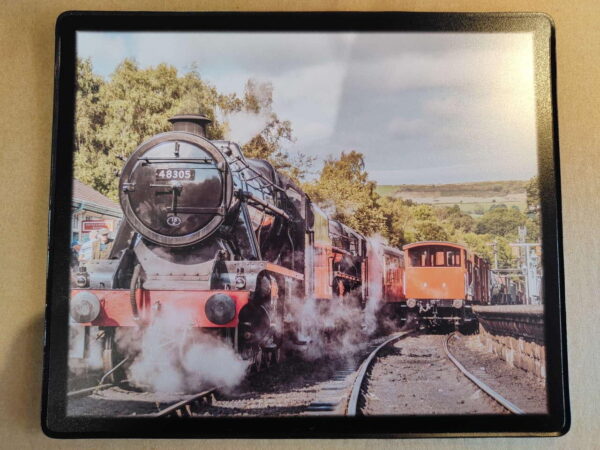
x,y
256,358
412,320
272,356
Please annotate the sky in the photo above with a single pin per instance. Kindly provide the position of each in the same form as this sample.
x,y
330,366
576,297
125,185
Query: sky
x,y
423,108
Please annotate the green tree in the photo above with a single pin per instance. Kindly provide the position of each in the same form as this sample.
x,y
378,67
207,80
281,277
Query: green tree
x,y
455,218
345,192
501,221
398,217
483,245
423,212
430,230
532,190
115,116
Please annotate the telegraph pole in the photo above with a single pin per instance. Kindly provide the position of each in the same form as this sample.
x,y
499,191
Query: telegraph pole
x,y
495,250
526,267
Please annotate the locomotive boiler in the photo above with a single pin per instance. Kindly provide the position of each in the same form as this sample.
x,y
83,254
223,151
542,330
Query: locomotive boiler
x,y
227,241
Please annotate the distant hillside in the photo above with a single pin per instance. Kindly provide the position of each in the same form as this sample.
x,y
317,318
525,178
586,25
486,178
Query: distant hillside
x,y
473,198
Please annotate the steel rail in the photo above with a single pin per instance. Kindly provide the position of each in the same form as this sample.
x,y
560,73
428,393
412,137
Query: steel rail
x,y
183,408
89,390
480,384
352,406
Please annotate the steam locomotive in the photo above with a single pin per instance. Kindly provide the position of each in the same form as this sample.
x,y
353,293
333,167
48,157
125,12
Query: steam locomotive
x,y
230,243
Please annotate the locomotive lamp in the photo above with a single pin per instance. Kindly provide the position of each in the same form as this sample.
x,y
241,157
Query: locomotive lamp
x,y
458,303
240,281
411,303
84,307
82,279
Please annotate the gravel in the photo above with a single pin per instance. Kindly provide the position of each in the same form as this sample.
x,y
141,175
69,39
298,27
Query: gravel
x,y
282,391
285,389
414,377
523,389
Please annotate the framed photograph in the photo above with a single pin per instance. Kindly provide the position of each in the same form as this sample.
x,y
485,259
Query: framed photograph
x,y
305,225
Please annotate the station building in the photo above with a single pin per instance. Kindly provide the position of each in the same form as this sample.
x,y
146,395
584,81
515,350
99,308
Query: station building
x,y
90,211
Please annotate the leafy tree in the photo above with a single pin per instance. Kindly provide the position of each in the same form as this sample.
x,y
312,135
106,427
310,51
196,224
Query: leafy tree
x,y
398,218
115,116
533,209
423,212
482,244
455,218
345,192
532,189
501,221
430,230
90,106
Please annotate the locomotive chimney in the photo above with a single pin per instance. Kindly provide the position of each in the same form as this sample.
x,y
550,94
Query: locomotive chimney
x,y
190,123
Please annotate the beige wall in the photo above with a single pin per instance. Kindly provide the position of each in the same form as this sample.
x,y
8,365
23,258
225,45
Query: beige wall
x,y
26,81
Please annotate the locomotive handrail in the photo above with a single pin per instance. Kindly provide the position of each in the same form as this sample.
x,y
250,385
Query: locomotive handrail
x,y
183,160
249,196
198,210
246,166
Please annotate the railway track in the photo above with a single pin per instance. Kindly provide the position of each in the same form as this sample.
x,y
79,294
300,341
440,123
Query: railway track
x,y
478,382
343,392
188,407
339,397
361,386
342,395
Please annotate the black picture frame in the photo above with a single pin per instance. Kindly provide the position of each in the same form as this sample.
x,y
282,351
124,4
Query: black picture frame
x,y
56,423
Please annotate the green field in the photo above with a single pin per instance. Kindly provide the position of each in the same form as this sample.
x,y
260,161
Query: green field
x,y
472,198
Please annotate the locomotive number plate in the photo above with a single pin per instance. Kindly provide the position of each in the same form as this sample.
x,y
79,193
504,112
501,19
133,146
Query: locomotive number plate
x,y
175,174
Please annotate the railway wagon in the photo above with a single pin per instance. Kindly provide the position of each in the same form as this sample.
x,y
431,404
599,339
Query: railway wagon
x,y
442,282
386,281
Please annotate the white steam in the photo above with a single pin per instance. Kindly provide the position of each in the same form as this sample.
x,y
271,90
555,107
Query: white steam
x,y
242,126
170,356
376,269
82,359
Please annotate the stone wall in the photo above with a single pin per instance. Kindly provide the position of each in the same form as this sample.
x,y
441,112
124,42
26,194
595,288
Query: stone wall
x,y
517,352
515,333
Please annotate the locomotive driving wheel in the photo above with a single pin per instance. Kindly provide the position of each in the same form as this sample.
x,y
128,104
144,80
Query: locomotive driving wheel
x,y
261,325
272,356
254,354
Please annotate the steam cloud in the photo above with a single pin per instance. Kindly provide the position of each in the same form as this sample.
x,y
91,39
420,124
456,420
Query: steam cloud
x,y
329,327
80,362
340,326
170,356
242,126
372,320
